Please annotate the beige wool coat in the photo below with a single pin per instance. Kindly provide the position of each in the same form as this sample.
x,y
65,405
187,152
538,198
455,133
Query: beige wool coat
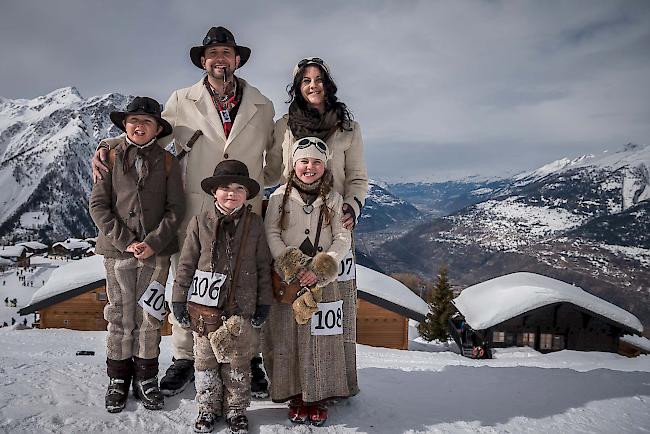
x,y
191,109
348,165
298,363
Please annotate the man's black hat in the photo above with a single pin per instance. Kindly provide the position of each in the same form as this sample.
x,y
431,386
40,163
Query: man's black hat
x,y
219,36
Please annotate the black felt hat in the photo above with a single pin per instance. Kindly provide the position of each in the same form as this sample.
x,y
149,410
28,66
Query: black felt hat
x,y
227,172
219,36
142,105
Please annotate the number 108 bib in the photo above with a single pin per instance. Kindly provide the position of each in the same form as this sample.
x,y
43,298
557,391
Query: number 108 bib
x,y
328,319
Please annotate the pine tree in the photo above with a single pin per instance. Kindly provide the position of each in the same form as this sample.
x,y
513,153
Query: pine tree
x,y
440,309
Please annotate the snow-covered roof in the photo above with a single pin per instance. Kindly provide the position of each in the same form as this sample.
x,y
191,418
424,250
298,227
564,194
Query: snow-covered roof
x,y
494,301
34,245
72,275
4,261
638,341
11,251
73,243
389,289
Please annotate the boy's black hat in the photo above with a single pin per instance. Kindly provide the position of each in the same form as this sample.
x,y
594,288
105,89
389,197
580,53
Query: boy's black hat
x,y
227,172
219,36
142,105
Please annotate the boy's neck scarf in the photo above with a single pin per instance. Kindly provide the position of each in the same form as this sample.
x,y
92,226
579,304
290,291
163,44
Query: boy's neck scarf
x,y
310,123
137,156
225,103
228,224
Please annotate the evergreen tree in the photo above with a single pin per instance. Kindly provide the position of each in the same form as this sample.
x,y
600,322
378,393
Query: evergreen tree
x,y
440,310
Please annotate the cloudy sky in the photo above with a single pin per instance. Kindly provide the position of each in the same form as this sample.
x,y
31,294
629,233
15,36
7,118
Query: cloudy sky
x,y
442,89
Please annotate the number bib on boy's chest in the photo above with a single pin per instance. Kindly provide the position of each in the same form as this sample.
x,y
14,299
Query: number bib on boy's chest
x,y
153,300
347,269
206,288
328,319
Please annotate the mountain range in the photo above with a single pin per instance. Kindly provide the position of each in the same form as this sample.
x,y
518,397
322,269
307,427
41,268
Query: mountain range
x,y
583,220
45,148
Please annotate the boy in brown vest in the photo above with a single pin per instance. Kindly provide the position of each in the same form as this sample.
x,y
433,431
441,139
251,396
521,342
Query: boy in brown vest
x,y
137,207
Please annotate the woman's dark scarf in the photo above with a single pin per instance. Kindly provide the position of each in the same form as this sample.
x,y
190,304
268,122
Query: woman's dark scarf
x,y
310,123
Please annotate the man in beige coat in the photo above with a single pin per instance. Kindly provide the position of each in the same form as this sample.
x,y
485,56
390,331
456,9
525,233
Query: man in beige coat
x,y
218,118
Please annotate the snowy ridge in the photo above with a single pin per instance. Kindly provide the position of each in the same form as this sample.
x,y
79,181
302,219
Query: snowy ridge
x,y
45,146
496,300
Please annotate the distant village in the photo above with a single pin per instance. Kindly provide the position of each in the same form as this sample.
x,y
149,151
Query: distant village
x,y
515,310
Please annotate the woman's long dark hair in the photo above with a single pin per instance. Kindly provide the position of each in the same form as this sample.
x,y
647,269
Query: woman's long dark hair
x,y
331,100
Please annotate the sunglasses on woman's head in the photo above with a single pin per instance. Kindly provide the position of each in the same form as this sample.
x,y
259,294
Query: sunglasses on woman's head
x,y
313,60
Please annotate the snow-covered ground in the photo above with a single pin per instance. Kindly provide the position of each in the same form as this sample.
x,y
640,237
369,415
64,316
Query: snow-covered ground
x,y
47,388
11,286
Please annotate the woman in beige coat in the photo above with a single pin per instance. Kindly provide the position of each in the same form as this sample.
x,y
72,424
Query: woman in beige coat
x,y
316,111
303,341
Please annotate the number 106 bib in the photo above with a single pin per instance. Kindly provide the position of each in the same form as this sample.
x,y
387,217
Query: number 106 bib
x,y
206,287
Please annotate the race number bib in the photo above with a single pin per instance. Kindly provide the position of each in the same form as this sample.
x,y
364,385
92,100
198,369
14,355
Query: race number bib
x,y
206,287
347,269
328,319
153,300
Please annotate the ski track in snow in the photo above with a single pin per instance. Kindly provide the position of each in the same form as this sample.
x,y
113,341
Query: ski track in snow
x,y
47,389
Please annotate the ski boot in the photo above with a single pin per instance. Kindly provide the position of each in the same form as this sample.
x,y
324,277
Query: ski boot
x,y
205,422
298,411
237,423
259,383
148,392
117,395
177,377
318,413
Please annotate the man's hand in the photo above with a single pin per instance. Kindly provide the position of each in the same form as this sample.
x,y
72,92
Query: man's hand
x,y
349,217
179,309
98,163
260,315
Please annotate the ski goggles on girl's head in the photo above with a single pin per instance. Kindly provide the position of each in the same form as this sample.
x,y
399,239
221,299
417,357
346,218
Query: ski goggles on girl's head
x,y
308,141
310,147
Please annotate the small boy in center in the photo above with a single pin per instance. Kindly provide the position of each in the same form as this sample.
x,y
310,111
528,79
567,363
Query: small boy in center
x,y
222,289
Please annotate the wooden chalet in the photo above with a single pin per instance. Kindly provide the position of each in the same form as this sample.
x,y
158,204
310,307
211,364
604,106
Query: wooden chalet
x,y
71,248
384,307
34,247
527,309
74,298
18,255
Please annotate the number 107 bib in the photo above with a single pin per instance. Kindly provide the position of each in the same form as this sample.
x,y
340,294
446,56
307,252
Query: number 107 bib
x,y
206,287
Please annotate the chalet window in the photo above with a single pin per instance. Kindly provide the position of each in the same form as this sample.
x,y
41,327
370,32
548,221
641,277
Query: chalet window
x,y
526,339
558,342
498,337
101,296
545,341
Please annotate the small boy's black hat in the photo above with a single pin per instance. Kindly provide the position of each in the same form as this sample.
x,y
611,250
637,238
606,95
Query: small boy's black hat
x,y
227,172
142,105
219,36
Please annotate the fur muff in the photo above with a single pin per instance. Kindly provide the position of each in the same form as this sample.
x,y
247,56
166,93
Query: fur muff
x,y
325,268
289,263
223,341
306,305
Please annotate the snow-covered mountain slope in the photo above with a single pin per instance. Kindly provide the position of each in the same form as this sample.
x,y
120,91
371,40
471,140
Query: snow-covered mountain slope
x,y
581,220
46,388
383,209
45,147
